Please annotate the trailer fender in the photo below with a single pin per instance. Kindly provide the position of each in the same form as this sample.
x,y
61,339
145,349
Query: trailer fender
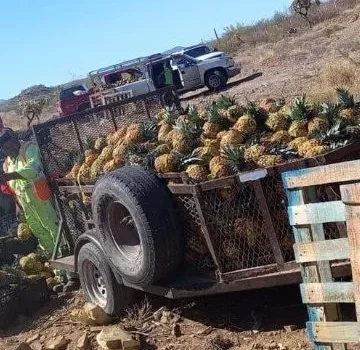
x,y
92,236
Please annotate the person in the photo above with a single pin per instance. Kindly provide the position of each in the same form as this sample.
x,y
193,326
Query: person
x,y
168,74
24,179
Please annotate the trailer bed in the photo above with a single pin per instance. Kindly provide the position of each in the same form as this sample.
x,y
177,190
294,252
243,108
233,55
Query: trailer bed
x,y
188,284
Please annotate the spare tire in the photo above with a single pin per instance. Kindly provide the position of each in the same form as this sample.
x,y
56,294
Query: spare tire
x,y
134,212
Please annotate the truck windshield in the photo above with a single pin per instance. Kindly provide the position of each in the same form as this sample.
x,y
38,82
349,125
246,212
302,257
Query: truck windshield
x,y
69,92
198,51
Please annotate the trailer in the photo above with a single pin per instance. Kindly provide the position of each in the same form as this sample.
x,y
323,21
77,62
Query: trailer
x,y
164,234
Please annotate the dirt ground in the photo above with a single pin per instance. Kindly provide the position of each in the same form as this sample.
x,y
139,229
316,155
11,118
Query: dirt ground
x,y
242,321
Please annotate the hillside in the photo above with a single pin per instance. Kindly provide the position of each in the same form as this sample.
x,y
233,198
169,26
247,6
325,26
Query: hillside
x,y
276,61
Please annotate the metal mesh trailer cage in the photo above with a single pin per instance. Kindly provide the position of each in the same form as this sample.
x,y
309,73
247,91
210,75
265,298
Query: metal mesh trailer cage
x,y
234,227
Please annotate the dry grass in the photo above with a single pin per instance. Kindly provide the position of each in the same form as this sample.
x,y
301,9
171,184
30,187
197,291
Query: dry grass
x,y
137,315
342,73
331,29
280,25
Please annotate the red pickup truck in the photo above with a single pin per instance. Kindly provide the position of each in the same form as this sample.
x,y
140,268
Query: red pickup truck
x,y
73,99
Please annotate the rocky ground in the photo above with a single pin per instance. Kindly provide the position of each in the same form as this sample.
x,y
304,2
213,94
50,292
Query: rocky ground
x,y
264,319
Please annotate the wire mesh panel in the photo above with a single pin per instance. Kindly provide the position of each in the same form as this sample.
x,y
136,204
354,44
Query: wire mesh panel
x,y
197,255
62,139
237,228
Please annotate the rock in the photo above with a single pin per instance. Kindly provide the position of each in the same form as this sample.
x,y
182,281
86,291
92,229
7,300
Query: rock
x,y
42,338
114,337
96,329
33,338
36,346
83,342
157,314
290,328
23,346
168,347
97,314
282,347
91,315
58,343
272,346
175,330
257,346
165,317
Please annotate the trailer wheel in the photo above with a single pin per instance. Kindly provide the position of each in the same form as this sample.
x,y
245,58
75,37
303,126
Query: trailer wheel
x,y
99,284
133,210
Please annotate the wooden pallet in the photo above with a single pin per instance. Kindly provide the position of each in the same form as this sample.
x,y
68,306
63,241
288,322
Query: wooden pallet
x,y
307,217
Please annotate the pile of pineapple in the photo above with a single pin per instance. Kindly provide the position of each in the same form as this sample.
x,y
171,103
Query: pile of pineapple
x,y
224,138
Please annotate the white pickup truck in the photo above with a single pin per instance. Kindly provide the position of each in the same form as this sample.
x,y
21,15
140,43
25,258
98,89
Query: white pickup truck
x,y
189,73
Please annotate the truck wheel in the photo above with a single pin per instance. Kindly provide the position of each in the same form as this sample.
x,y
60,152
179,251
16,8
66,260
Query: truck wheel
x,y
133,210
215,80
99,284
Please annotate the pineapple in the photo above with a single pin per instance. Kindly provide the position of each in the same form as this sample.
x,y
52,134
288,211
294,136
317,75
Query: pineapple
x,y
215,143
318,124
100,143
224,102
271,106
219,167
117,136
281,137
134,134
269,160
277,121
299,114
298,128
106,153
162,149
349,111
198,173
220,135
110,166
184,137
84,171
253,153
169,137
119,153
214,124
246,125
234,156
166,163
231,138
248,229
90,156
74,170
96,168
296,143
316,151
166,125
206,153
307,146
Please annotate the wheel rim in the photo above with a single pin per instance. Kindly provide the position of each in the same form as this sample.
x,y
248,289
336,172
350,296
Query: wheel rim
x,y
123,231
95,286
214,81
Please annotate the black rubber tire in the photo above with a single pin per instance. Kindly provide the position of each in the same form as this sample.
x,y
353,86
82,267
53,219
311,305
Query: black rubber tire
x,y
215,75
118,297
149,206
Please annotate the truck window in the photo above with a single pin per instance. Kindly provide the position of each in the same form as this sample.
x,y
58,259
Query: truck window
x,y
198,51
68,93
